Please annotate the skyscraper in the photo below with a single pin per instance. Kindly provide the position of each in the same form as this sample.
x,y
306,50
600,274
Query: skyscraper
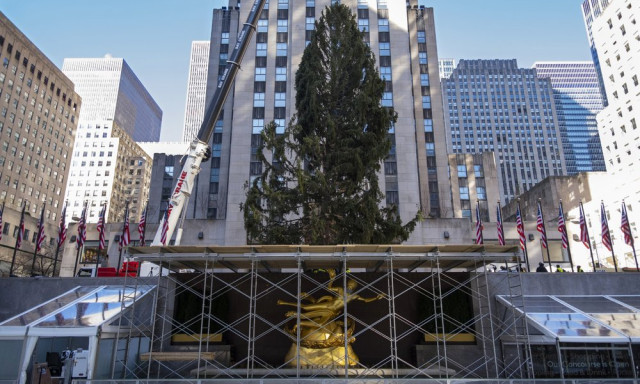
x,y
492,105
39,110
577,96
108,167
196,89
415,174
591,10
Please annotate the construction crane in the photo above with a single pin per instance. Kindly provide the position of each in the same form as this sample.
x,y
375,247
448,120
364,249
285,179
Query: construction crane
x,y
199,149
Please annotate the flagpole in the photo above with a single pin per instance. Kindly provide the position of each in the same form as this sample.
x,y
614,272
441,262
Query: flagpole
x,y
566,233
55,260
526,253
75,266
586,228
15,249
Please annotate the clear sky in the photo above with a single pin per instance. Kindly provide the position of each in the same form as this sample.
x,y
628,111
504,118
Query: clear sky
x,y
154,36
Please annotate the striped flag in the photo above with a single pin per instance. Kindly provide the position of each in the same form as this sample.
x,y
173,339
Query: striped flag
x,y
101,228
125,238
479,226
40,237
541,228
82,228
499,226
626,227
142,225
562,227
20,229
165,228
584,231
1,212
606,236
62,227
520,227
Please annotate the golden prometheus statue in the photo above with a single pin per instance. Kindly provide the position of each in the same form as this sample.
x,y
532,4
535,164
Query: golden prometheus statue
x,y
322,329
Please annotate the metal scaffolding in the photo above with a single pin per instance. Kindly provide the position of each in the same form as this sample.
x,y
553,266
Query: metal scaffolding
x,y
434,316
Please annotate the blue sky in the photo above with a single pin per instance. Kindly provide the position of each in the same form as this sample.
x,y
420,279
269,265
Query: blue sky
x,y
154,36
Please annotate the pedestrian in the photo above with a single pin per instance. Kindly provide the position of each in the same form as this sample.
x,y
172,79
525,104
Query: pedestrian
x,y
522,268
503,268
580,269
541,268
559,268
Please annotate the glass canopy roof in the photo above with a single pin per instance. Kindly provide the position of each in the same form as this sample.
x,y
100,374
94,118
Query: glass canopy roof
x,y
582,319
80,307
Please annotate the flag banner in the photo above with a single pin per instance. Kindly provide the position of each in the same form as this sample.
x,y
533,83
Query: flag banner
x,y
165,228
101,228
541,228
82,228
20,230
499,226
606,236
626,227
584,232
62,227
520,227
479,226
40,236
142,226
125,238
562,227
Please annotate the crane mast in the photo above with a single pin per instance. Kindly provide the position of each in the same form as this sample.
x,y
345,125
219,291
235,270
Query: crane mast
x,y
199,149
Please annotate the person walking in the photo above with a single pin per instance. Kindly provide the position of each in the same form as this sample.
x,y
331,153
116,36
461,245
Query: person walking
x,y
559,268
579,269
541,268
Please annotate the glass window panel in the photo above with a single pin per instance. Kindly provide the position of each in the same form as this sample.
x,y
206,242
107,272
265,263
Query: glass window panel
x,y
633,301
48,307
627,323
594,304
572,325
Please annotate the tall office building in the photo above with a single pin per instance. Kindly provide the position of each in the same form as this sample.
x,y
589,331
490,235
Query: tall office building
x,y
591,10
492,105
196,89
38,117
108,167
402,36
446,67
578,100
616,39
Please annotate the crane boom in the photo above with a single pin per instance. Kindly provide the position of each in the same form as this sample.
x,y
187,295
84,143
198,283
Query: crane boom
x,y
199,150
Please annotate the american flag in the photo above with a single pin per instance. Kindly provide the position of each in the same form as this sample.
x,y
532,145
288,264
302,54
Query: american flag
x,y
520,227
500,227
606,236
101,228
62,227
142,226
165,228
562,227
626,228
125,238
40,237
541,228
479,226
1,212
584,231
20,230
82,227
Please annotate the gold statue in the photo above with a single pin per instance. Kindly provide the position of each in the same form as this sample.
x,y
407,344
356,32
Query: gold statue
x,y
322,339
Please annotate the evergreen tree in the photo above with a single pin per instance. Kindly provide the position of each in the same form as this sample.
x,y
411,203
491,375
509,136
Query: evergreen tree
x,y
319,182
